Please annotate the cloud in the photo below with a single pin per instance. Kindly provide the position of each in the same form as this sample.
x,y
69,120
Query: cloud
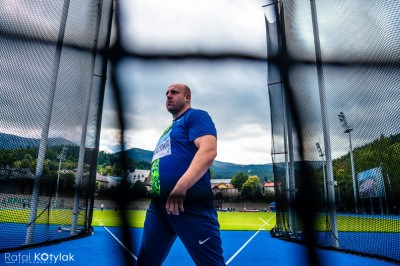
x,y
179,26
234,93
30,31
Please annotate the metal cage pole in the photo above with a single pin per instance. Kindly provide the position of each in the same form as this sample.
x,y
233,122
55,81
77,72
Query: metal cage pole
x,y
45,130
325,127
100,76
82,147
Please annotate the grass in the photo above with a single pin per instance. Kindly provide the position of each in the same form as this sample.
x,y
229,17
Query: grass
x,y
21,216
360,224
227,220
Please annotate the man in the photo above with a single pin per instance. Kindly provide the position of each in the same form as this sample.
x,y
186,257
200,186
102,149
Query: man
x,y
182,202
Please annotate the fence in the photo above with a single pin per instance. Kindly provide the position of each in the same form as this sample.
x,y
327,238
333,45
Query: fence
x,y
52,81
334,88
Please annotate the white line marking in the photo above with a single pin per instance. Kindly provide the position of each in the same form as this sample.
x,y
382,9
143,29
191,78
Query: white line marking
x,y
262,220
265,222
245,244
133,255
270,218
248,241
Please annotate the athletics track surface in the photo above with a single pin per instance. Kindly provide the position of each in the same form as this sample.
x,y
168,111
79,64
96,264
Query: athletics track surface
x,y
242,248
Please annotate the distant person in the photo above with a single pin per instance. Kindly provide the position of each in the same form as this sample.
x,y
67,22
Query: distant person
x,y
182,203
102,207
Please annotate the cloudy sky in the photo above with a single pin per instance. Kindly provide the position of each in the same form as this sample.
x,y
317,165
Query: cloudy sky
x,y
233,92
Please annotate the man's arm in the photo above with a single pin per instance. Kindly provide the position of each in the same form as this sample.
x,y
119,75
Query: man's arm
x,y
204,157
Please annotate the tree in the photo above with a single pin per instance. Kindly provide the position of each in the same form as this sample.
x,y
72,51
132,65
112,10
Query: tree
x,y
251,189
239,179
26,162
268,196
139,190
67,183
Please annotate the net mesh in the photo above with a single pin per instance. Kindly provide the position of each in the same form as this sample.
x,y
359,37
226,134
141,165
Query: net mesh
x,y
334,91
333,79
51,96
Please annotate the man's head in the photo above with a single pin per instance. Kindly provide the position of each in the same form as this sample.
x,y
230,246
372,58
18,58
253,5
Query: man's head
x,y
178,99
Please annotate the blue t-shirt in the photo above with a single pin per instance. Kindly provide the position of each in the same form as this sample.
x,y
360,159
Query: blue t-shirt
x,y
175,151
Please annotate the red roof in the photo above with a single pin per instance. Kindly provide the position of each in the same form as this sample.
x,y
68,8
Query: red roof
x,y
269,184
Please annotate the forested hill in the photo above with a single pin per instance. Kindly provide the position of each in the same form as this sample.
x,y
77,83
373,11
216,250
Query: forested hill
x,y
219,169
8,141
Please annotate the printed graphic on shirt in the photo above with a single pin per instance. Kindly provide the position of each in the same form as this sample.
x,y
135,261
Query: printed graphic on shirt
x,y
155,178
162,149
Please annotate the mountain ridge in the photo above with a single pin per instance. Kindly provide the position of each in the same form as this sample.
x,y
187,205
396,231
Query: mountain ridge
x,y
219,169
9,141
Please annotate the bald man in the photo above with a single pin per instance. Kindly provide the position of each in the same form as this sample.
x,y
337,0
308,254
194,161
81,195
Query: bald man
x,y
182,203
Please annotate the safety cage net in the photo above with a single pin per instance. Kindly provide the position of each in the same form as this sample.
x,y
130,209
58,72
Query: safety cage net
x,y
333,83
334,89
52,82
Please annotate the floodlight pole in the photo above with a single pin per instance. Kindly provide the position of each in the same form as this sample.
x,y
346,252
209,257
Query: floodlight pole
x,y
321,154
348,129
61,156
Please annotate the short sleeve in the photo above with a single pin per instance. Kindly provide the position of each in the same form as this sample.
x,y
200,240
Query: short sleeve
x,y
200,124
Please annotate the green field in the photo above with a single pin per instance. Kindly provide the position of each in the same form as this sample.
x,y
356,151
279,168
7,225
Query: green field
x,y
228,220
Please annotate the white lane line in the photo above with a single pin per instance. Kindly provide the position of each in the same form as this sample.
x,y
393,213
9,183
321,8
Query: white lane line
x,y
248,241
270,218
265,222
133,255
245,244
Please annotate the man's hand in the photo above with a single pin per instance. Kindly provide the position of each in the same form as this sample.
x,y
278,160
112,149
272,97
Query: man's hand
x,y
175,201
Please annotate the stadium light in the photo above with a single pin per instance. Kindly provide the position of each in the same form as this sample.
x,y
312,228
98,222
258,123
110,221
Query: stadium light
x,y
61,156
337,183
348,129
321,154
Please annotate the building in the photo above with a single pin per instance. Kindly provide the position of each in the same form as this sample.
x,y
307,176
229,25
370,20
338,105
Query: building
x,y
223,189
218,181
268,187
101,181
142,176
113,181
17,181
139,175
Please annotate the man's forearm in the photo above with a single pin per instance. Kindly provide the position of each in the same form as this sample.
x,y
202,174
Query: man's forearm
x,y
205,155
199,166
